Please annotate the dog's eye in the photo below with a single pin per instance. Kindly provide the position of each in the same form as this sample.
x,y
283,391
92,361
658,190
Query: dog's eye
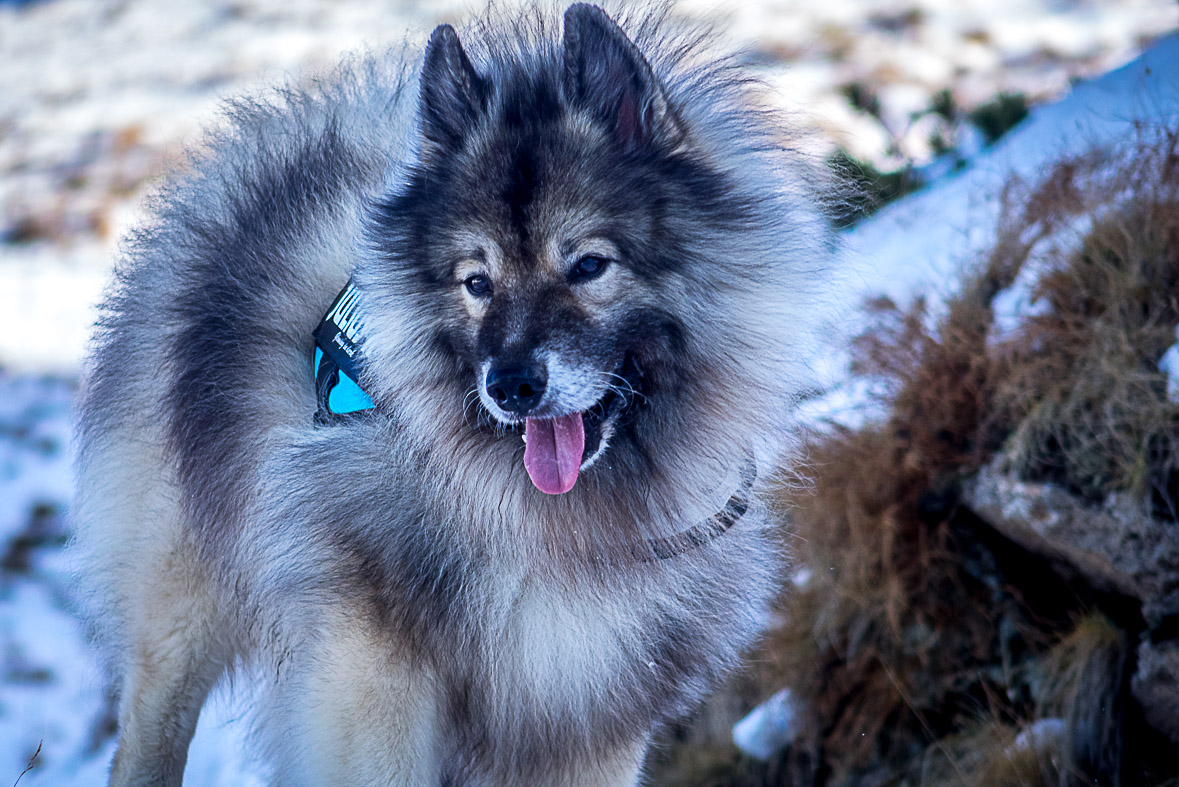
x,y
588,267
478,285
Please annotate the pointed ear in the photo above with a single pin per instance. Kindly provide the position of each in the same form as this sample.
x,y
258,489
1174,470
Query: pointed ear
x,y
607,75
452,93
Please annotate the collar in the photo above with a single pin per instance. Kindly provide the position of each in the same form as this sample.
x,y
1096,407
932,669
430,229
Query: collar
x,y
703,532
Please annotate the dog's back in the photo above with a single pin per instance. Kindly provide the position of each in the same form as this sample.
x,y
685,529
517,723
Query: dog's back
x,y
202,351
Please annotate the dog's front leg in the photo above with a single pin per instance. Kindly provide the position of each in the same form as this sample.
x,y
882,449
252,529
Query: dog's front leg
x,y
352,710
175,653
157,722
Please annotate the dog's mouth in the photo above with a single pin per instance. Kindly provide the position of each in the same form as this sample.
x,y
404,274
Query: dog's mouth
x,y
558,448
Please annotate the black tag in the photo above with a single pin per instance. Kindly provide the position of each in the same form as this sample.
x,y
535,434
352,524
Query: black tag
x,y
338,361
338,334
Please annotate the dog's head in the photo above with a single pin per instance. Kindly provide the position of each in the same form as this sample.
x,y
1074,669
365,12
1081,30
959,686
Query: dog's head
x,y
550,228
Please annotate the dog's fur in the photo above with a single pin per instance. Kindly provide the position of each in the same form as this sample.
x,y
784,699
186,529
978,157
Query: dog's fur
x,y
416,611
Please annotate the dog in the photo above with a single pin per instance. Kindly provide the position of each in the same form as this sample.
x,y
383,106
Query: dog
x,y
575,260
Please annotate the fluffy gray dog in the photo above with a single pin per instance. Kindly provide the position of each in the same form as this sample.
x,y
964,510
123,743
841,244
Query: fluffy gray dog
x,y
578,265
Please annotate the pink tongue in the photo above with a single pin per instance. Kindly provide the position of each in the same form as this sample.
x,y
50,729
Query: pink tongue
x,y
552,453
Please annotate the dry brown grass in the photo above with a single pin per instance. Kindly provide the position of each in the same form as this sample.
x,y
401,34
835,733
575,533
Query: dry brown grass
x,y
987,755
1084,678
1080,388
923,642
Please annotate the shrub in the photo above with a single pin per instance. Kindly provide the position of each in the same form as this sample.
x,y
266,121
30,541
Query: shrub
x,y
999,115
924,641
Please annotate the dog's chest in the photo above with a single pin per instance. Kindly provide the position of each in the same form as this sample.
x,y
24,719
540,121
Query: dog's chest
x,y
553,671
549,668
552,652
554,642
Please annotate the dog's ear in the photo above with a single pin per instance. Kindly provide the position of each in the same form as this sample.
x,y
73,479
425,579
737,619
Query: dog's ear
x,y
452,93
607,75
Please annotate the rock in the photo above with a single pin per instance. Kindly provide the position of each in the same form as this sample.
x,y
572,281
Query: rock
x,y
1114,547
1155,686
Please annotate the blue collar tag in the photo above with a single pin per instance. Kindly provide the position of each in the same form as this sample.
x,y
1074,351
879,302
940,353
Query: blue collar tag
x,y
337,360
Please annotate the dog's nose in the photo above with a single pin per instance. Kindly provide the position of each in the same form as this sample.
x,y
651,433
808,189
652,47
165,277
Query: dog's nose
x,y
516,389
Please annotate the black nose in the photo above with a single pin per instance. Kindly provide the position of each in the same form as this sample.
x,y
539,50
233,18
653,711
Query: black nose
x,y
516,389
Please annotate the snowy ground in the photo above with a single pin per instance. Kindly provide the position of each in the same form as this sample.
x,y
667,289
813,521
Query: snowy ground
x,y
96,95
918,245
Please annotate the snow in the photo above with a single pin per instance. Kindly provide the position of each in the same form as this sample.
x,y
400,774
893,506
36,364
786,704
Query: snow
x,y
97,96
1045,736
1169,365
917,245
50,683
768,727
51,691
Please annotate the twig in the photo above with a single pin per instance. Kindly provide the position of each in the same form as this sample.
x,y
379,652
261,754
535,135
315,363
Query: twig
x,y
32,762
